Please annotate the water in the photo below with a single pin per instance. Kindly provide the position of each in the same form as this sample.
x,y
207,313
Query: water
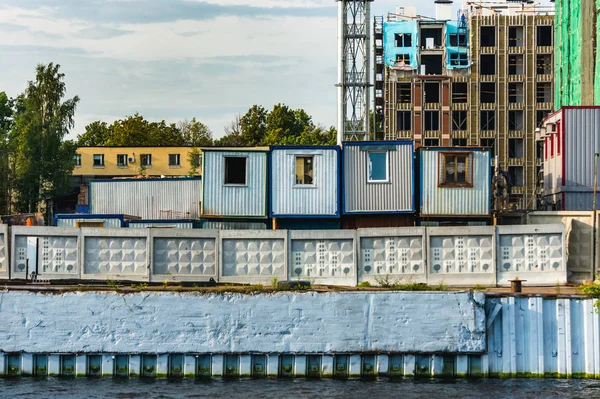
x,y
299,388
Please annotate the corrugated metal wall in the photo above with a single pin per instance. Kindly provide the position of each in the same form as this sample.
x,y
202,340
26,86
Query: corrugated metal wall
x,y
581,143
362,196
321,198
112,223
243,201
233,225
172,225
437,200
148,199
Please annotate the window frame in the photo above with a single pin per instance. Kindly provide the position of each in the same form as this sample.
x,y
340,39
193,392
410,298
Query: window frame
x,y
387,167
178,164
77,159
125,164
304,185
101,164
245,184
145,157
442,167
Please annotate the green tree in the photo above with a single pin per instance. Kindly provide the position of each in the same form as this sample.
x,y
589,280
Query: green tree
x,y
96,134
6,111
43,159
195,133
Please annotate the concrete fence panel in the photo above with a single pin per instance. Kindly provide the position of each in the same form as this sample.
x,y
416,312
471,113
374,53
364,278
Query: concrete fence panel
x,y
115,254
323,256
183,255
461,256
579,237
252,256
4,249
535,253
51,252
392,255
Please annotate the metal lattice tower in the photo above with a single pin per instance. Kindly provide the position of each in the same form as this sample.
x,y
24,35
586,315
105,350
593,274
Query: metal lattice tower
x,y
353,69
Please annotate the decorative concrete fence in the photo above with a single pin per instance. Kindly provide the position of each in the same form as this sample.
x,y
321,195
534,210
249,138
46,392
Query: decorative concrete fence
x,y
462,256
393,255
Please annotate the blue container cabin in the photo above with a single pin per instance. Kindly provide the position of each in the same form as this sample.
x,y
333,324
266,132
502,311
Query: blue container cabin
x,y
235,224
234,183
92,220
378,177
164,224
304,186
455,182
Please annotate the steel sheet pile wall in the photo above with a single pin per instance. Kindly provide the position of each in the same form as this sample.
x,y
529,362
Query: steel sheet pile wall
x,y
189,256
323,256
462,256
537,337
253,256
392,255
318,199
535,253
4,252
579,236
147,198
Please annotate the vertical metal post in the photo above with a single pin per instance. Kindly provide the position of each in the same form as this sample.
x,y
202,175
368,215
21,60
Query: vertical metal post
x,y
594,216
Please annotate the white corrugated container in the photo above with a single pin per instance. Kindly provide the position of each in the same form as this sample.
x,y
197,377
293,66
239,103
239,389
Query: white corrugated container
x,y
289,199
148,198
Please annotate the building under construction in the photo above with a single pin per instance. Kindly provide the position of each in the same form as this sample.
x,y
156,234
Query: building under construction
x,y
480,77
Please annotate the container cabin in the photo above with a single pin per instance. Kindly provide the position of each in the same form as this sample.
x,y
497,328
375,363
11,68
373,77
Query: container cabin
x,y
92,220
164,224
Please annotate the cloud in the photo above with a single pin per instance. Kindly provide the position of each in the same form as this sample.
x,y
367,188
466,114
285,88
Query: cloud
x,y
48,50
100,33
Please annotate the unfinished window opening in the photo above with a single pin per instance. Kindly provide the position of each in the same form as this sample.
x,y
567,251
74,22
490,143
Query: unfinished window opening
x,y
488,36
458,39
403,120
543,64
431,38
515,148
432,120
487,92
431,64
543,92
459,120
403,59
431,92
488,142
378,167
455,169
98,160
459,59
515,120
540,116
174,160
515,64
487,65
404,93
539,150
544,35
515,174
459,142
488,120
515,92
121,160
235,170
515,36
431,142
304,170
403,39
459,93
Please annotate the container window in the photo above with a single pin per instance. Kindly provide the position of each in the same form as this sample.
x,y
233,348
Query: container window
x,y
146,160
378,166
456,169
77,159
235,170
121,160
305,170
99,160
174,160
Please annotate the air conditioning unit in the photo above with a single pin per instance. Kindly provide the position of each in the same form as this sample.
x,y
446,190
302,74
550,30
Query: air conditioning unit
x,y
131,159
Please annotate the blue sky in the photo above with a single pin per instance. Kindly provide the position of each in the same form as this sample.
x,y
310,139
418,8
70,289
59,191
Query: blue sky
x,y
178,59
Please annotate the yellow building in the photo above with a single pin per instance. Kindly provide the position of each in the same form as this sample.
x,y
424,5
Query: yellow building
x,y
109,162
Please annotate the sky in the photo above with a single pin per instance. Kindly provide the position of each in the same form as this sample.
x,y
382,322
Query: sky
x,y
179,59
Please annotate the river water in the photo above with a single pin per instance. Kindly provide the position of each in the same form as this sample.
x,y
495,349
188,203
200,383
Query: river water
x,y
298,388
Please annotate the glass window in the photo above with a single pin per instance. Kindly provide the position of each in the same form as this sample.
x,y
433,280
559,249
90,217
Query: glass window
x,y
98,160
77,160
455,169
378,166
304,170
235,170
121,159
174,160
146,160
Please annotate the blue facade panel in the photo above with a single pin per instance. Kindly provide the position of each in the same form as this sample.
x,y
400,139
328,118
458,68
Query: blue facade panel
x,y
305,181
441,198
247,197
